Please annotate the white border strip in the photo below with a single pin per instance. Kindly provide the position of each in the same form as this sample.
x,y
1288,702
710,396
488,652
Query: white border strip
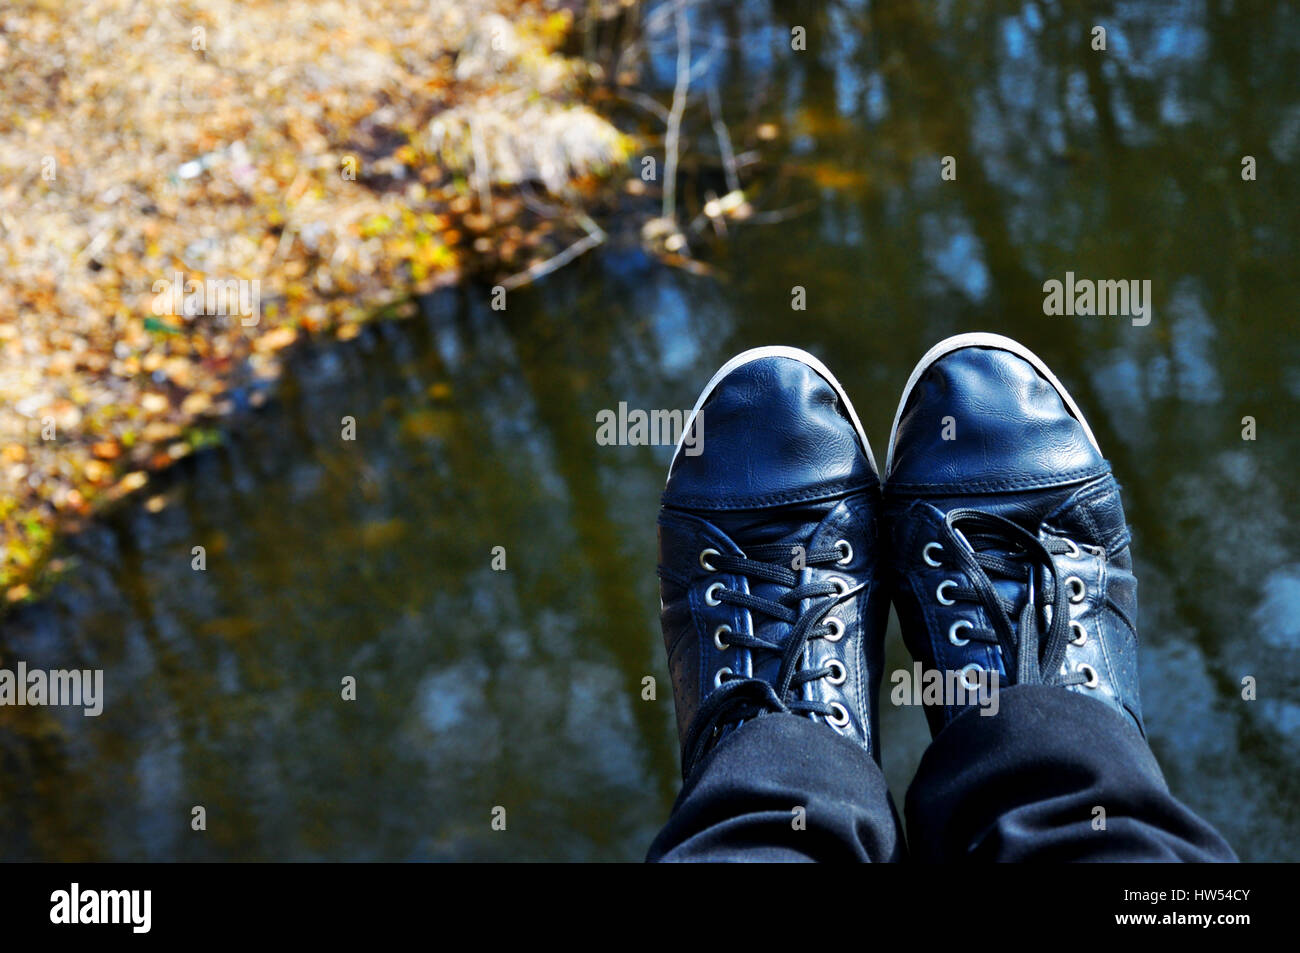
x,y
989,340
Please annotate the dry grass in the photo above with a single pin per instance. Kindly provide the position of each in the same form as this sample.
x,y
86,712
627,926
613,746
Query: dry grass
x,y
141,138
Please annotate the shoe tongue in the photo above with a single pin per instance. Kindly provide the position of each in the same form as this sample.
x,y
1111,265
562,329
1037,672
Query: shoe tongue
x,y
795,526
1014,592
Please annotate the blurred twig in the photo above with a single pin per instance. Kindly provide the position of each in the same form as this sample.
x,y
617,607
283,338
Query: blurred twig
x,y
724,140
646,102
595,236
680,91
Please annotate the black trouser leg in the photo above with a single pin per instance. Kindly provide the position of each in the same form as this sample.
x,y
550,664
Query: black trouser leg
x,y
741,803
1025,784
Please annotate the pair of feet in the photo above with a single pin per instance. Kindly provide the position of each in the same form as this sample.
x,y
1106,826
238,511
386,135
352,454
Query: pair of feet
x,y
996,530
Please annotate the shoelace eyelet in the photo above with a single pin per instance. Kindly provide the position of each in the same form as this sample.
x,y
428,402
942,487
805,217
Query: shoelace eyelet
x,y
841,585
1077,589
953,629
938,593
972,669
709,598
1089,673
717,676
837,666
1081,634
1073,552
717,637
841,716
844,546
837,628
704,559
925,554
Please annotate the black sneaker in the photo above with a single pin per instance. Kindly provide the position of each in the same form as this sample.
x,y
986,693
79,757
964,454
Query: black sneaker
x,y
1010,552
767,555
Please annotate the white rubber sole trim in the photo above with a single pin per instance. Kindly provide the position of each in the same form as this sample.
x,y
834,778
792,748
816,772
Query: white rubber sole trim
x,y
794,354
989,340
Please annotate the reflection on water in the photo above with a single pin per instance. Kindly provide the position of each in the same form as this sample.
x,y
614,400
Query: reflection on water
x,y
476,429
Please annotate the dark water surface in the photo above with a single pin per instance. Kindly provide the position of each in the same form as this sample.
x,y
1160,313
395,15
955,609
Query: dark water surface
x,y
476,429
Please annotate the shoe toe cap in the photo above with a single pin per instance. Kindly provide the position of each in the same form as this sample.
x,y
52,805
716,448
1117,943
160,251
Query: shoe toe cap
x,y
985,418
773,430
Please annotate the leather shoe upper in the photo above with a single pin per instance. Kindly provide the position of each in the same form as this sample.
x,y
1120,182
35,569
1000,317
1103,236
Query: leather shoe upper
x,y
767,558
1010,550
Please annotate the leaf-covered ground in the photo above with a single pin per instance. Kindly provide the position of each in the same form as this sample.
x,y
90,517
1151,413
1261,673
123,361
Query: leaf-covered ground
x,y
340,154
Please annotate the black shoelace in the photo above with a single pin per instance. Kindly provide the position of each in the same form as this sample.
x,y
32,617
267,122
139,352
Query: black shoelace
x,y
1030,655
739,698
